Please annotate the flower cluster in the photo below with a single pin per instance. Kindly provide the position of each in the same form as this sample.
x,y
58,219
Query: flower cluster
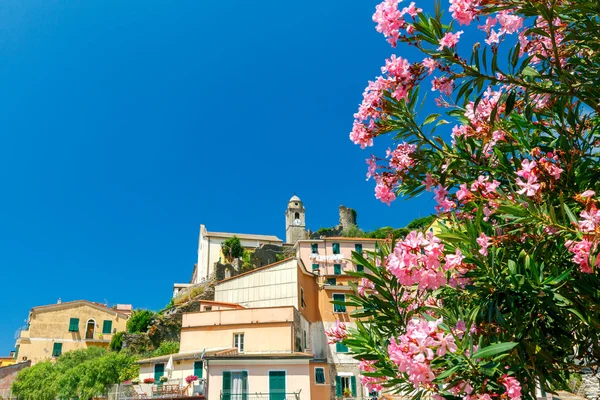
x,y
418,260
585,251
390,20
371,383
364,285
338,333
191,378
413,351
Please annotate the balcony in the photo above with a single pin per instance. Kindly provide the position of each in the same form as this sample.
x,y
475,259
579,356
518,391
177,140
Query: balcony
x,y
172,389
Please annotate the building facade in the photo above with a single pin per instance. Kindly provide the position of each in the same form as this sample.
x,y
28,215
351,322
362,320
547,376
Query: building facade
x,y
57,328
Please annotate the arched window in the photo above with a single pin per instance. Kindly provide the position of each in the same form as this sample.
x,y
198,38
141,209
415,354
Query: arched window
x,y
90,329
297,215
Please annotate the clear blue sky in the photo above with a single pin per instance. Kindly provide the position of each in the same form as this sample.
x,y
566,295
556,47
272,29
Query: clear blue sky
x,y
126,124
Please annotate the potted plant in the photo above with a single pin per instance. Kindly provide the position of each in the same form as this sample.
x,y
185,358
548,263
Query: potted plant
x,y
135,381
347,392
149,380
164,379
191,378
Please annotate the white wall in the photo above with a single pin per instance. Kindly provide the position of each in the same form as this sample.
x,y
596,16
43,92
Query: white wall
x,y
270,287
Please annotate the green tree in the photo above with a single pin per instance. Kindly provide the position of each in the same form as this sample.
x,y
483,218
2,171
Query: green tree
x,y
166,348
232,248
79,374
116,343
139,321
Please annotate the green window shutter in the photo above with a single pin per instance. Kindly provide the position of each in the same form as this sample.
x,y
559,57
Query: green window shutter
x,y
332,281
337,307
107,326
57,350
17,352
277,385
320,375
74,325
198,368
337,269
341,348
244,385
336,248
314,248
359,268
338,386
315,267
353,385
159,370
226,385
358,248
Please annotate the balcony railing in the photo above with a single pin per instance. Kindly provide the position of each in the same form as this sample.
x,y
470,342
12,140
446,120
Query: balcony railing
x,y
261,396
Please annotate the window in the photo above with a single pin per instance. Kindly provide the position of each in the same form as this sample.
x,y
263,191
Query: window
x,y
336,248
341,348
336,307
314,248
208,308
359,268
277,385
57,350
345,383
238,342
198,368
358,248
159,370
337,269
74,325
332,281
302,302
107,327
320,376
315,267
297,215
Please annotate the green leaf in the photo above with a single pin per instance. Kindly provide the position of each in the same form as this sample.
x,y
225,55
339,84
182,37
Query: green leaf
x,y
494,349
431,118
528,71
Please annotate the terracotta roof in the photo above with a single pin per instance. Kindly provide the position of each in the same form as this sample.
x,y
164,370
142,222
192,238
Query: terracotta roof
x,y
247,236
221,303
75,302
255,270
191,355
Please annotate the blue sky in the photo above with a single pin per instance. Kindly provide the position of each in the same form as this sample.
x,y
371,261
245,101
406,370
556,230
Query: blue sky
x,y
124,125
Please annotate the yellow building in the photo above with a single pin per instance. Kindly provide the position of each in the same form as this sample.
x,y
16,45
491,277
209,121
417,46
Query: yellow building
x,y
6,361
58,328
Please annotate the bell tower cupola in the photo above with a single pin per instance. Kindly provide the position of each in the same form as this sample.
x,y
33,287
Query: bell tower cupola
x,y
295,221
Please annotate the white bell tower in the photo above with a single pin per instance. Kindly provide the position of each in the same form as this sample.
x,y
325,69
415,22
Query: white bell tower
x,y
295,221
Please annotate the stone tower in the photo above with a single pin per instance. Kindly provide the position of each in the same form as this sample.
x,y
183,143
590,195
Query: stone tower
x,y
295,221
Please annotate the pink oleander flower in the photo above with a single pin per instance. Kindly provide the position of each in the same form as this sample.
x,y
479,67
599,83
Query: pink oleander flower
x,y
509,22
370,382
489,24
529,188
364,285
411,10
527,168
492,38
453,261
443,84
441,197
513,387
450,39
588,193
384,193
590,220
400,158
430,64
581,254
389,20
338,333
464,11
372,163
484,242
429,182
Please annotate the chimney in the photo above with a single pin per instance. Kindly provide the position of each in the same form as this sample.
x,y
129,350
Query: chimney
x,y
59,301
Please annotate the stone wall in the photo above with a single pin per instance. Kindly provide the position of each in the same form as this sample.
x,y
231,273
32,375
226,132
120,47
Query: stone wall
x,y
347,217
8,375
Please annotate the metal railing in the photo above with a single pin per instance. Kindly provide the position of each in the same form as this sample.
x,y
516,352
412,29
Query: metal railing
x,y
260,396
130,391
